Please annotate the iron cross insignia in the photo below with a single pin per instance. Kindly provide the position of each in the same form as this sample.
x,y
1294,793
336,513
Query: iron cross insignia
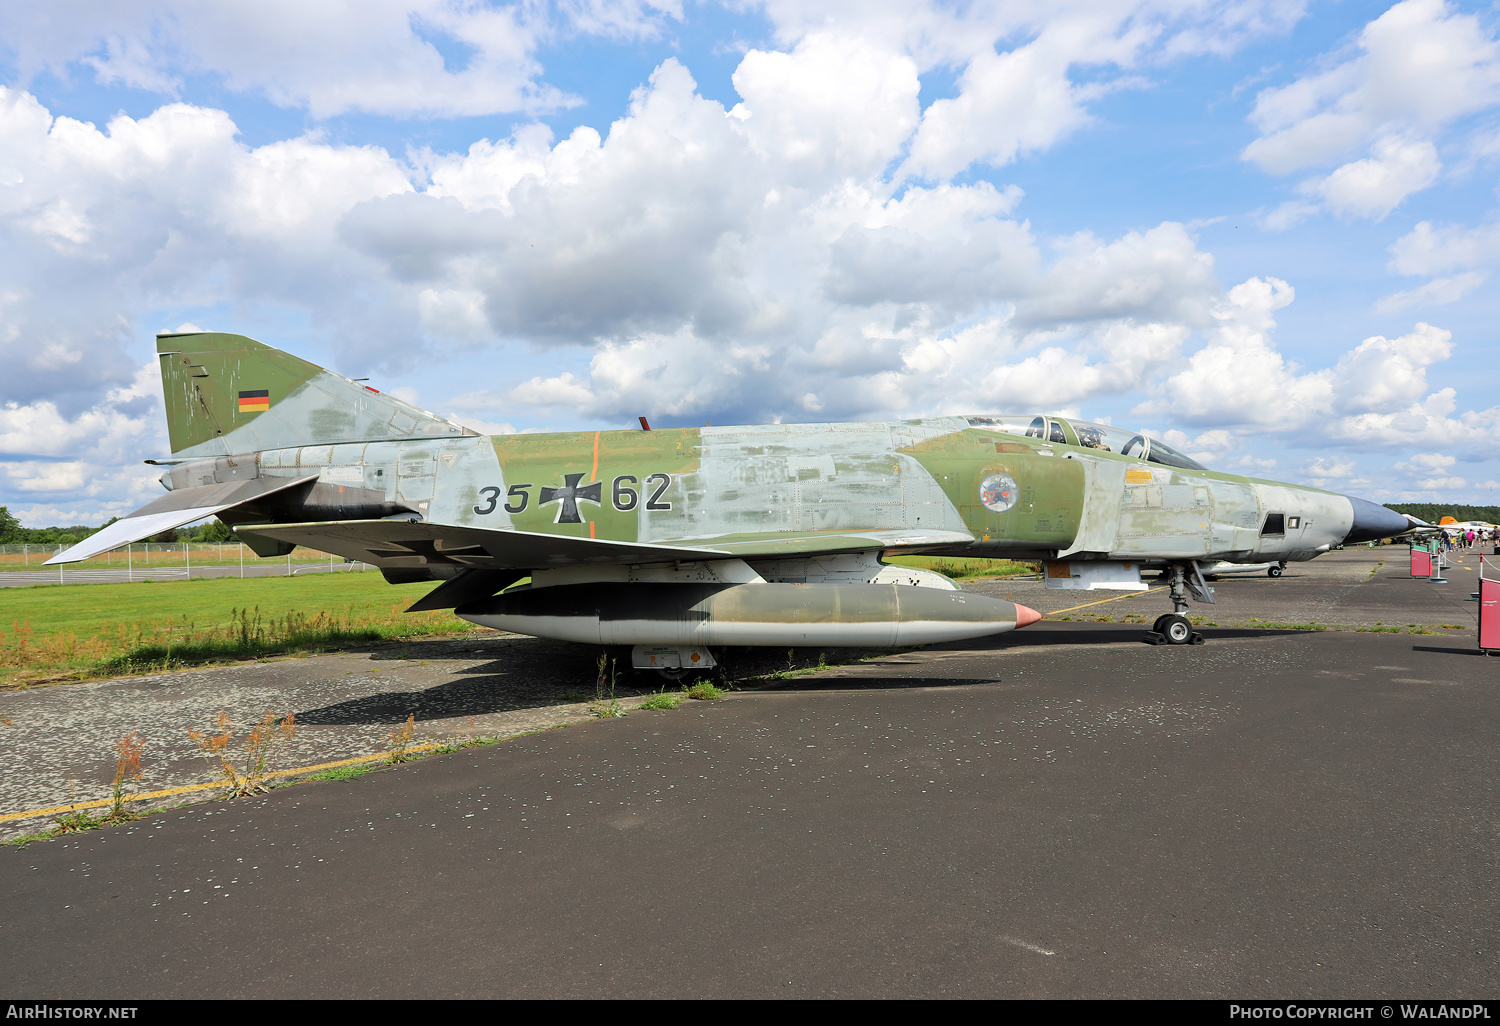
x,y
569,495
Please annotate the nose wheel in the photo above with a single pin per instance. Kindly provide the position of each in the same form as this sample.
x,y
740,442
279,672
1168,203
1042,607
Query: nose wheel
x,y
1174,628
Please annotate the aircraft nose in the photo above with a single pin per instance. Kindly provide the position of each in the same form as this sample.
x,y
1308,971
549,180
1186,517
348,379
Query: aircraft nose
x,y
1372,522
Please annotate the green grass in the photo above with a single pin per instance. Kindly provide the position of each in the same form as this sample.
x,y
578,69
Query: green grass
x,y
1275,625
959,567
346,772
663,700
705,692
89,630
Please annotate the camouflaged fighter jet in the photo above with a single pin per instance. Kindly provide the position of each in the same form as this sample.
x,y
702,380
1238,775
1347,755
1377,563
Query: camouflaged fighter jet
x,y
674,541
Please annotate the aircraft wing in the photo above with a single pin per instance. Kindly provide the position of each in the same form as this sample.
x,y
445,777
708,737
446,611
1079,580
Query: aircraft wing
x,y
179,506
402,543
399,543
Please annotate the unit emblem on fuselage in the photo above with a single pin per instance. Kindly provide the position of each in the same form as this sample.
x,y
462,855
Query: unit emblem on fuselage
x,y
998,492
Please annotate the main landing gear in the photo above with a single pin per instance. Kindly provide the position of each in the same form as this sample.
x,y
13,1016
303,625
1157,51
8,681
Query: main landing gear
x,y
1276,569
1175,628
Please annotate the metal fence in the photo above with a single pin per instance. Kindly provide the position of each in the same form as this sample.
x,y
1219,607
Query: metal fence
x,y
157,561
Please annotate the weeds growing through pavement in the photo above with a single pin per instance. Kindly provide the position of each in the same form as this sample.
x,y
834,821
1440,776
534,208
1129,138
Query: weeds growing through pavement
x,y
345,772
401,740
606,707
705,691
261,746
77,820
127,766
664,700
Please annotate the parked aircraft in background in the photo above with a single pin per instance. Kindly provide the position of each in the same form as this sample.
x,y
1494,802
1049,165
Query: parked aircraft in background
x,y
1224,568
677,540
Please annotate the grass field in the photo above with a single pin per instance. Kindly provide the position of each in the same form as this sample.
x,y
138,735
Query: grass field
x,y
55,632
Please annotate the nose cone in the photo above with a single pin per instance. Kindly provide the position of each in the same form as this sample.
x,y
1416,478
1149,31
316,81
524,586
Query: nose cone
x,y
1025,615
1372,522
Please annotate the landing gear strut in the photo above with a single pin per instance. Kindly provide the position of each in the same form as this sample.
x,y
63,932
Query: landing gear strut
x,y
1175,628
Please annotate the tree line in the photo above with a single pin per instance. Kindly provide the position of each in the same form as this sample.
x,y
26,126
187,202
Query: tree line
x,y
12,533
1432,512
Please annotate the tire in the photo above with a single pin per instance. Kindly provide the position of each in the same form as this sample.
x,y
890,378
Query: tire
x,y
1178,630
674,673
1274,571
1160,621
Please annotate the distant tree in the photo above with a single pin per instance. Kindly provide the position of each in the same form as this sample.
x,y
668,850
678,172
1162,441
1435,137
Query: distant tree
x,y
12,533
10,528
214,531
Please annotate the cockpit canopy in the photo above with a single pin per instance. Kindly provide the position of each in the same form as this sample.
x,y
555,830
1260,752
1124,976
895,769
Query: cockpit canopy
x,y
1065,431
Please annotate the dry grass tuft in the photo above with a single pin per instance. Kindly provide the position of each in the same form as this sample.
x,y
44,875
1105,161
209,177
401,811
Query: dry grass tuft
x,y
261,746
401,740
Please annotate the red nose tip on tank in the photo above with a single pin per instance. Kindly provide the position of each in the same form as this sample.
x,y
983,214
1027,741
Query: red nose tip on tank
x,y
1025,616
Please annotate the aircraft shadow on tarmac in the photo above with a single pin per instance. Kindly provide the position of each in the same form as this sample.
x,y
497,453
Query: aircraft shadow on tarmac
x,y
1111,634
1447,650
480,695
536,678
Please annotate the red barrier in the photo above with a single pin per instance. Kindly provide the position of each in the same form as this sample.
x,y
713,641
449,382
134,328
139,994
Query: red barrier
x,y
1421,563
1489,611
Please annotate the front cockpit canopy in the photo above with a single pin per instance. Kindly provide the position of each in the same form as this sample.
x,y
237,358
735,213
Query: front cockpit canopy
x,y
1066,431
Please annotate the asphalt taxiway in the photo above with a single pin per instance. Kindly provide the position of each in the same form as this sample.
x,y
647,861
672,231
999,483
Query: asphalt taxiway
x,y
1059,812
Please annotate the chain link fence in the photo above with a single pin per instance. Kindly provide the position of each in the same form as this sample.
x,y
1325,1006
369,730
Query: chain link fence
x,y
140,561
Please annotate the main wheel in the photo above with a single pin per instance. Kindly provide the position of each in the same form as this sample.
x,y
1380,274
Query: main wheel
x,y
1178,630
1160,621
673,673
1274,571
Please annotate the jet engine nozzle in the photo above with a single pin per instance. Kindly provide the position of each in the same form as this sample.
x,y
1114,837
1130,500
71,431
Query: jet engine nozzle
x,y
1373,522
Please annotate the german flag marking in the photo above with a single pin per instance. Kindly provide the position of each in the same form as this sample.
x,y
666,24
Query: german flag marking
x,y
256,401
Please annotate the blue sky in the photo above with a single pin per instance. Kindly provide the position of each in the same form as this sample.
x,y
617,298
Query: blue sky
x,y
1264,230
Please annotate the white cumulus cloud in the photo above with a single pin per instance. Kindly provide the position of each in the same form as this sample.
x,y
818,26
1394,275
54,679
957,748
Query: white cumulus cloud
x,y
1412,73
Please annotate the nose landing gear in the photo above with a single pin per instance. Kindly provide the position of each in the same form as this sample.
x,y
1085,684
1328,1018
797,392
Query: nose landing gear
x,y
1175,628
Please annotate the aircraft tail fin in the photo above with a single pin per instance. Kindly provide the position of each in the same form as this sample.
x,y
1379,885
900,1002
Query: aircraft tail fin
x,y
228,394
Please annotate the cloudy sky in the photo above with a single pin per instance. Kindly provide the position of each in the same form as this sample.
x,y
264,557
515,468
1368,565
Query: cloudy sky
x,y
1262,229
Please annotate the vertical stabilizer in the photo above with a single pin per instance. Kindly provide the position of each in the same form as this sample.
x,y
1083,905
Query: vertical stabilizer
x,y
229,394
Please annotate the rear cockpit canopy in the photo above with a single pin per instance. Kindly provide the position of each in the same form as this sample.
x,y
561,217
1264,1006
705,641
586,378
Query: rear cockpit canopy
x,y
1066,431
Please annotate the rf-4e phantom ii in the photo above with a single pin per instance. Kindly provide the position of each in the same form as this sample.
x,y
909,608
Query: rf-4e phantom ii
x,y
675,541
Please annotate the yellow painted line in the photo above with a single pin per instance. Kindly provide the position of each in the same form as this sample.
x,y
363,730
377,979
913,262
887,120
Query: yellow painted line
x,y
169,792
1101,602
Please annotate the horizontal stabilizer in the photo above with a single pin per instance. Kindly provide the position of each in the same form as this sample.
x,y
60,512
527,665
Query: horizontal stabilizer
x,y
177,507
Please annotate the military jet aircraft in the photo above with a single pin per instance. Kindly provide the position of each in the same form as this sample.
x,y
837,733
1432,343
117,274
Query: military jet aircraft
x,y
675,541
